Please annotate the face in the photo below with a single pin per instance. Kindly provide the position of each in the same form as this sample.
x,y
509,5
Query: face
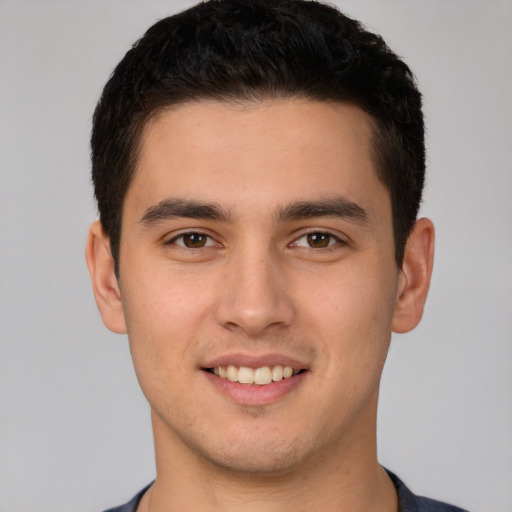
x,y
257,241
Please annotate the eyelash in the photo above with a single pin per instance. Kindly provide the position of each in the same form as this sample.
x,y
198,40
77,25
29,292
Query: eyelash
x,y
332,240
209,240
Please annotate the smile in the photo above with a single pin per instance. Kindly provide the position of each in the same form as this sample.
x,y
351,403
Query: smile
x,y
257,376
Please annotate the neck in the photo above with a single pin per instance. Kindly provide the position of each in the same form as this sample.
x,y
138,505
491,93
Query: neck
x,y
345,478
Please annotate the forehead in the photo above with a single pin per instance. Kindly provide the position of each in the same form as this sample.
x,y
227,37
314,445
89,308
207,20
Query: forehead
x,y
256,153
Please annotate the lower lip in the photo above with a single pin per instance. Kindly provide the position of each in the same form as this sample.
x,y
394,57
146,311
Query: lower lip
x,y
254,394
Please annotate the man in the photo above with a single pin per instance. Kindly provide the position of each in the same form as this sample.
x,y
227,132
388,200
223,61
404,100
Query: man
x,y
258,168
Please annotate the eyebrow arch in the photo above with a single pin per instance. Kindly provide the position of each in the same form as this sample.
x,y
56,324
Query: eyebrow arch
x,y
334,207
175,208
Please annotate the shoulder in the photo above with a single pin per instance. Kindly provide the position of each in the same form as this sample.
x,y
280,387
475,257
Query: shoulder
x,y
132,505
409,502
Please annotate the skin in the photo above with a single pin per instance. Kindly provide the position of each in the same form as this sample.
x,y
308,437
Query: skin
x,y
256,288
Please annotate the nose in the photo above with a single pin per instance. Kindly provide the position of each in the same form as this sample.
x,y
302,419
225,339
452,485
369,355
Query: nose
x,y
255,294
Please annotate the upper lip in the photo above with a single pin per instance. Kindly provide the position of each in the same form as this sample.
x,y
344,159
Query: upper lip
x,y
255,361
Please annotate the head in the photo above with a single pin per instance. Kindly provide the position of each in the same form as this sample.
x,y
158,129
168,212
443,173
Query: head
x,y
258,168
247,52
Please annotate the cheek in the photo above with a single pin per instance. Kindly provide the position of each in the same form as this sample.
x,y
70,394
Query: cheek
x,y
161,300
351,311
162,316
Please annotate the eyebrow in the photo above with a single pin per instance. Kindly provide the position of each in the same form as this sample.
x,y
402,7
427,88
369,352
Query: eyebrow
x,y
340,207
176,208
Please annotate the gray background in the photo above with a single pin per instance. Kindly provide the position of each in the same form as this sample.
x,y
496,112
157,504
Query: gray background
x,y
74,427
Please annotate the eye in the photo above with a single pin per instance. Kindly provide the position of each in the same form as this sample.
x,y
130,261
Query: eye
x,y
316,240
192,240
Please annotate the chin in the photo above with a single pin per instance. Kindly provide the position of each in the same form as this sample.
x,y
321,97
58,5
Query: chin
x,y
254,465
257,457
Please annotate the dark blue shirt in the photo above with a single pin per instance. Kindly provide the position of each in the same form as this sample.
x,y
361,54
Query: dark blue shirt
x,y
407,501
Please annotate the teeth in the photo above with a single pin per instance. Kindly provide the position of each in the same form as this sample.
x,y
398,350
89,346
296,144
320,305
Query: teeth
x,y
232,373
245,375
259,376
277,373
262,376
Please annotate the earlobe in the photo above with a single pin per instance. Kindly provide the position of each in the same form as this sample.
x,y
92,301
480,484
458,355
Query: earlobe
x,y
414,280
104,282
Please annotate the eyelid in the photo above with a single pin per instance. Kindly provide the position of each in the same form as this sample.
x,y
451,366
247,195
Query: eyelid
x,y
211,242
338,240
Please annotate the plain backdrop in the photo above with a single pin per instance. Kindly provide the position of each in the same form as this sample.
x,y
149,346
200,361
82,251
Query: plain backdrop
x,y
74,428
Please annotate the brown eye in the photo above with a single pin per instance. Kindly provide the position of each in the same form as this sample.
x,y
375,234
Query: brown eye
x,y
318,240
194,240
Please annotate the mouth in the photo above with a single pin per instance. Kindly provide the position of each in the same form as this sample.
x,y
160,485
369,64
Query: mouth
x,y
261,376
256,379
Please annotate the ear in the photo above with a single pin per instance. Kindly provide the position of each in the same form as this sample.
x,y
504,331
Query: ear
x,y
104,282
414,280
